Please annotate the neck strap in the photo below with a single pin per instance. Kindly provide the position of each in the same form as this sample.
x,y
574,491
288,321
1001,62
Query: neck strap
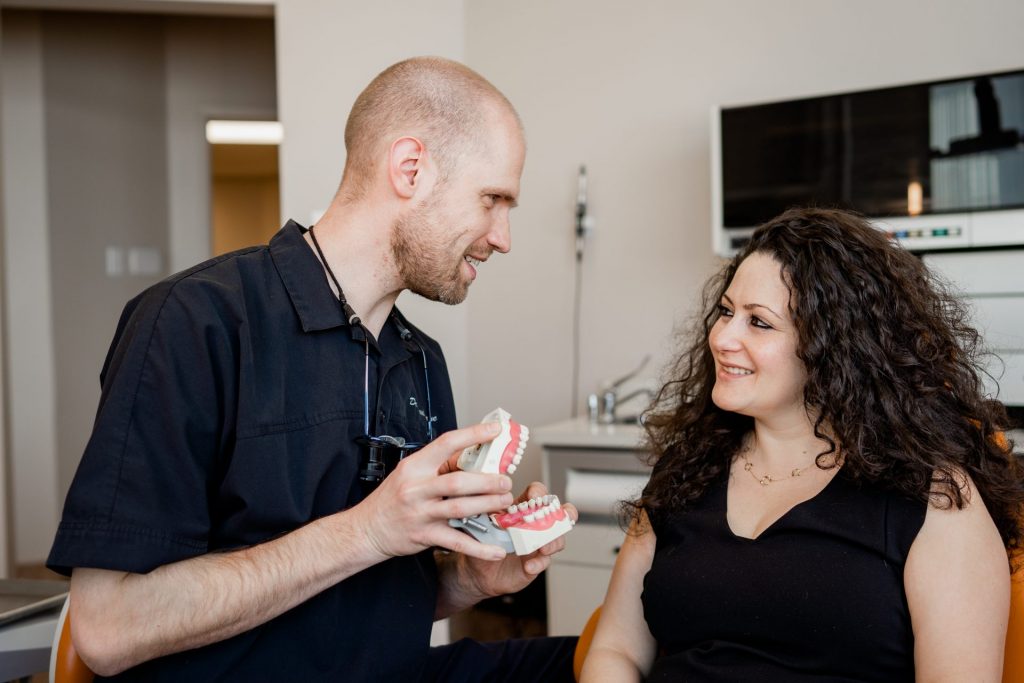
x,y
350,314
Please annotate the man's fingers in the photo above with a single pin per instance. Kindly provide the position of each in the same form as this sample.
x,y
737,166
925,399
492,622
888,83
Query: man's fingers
x,y
555,546
571,510
534,490
458,542
535,565
438,453
470,484
468,506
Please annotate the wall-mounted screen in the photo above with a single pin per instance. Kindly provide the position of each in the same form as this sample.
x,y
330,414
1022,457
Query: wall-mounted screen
x,y
945,147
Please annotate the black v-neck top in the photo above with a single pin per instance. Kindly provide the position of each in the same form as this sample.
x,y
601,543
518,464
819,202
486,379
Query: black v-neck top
x,y
818,595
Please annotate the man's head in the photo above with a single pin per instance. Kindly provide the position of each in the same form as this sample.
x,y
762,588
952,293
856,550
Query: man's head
x,y
448,148
444,104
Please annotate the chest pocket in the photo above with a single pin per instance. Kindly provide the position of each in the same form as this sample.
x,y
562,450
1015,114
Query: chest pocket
x,y
404,408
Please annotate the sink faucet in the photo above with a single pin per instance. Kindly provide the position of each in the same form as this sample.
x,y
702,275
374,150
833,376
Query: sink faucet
x,y
604,412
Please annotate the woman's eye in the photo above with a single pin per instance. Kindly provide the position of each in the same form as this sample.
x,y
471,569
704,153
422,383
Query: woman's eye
x,y
757,322
724,312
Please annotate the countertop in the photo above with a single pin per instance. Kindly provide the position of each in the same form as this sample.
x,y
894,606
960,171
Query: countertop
x,y
581,432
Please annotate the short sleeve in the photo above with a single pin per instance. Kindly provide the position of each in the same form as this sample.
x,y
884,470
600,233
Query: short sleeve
x,y
140,496
656,517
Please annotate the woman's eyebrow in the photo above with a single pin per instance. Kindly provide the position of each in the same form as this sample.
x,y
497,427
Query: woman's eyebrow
x,y
750,307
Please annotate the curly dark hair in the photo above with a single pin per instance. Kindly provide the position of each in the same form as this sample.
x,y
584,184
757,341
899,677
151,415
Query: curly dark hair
x,y
894,376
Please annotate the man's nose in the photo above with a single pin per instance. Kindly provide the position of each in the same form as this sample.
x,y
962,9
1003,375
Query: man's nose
x,y
500,236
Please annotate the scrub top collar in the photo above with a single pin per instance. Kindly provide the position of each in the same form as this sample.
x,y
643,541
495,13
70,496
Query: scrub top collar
x,y
304,279
315,302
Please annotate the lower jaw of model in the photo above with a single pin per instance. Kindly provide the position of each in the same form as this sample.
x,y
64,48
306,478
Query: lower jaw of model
x,y
526,526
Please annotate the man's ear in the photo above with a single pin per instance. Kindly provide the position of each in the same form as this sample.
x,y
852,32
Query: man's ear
x,y
408,167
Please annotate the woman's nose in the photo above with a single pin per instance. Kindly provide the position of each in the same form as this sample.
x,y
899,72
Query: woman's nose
x,y
725,335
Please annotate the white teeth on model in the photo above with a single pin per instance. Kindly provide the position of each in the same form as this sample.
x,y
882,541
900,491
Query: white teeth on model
x,y
523,506
511,469
517,459
524,431
528,518
512,508
737,371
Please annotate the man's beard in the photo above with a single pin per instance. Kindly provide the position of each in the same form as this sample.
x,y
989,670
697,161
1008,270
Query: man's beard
x,y
425,266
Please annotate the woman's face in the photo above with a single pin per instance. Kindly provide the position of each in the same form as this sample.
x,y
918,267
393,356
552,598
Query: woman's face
x,y
754,344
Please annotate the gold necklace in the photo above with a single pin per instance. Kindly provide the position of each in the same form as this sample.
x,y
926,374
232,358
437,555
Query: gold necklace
x,y
768,479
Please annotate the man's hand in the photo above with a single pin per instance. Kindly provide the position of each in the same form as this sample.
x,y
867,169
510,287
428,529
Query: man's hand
x,y
467,580
409,511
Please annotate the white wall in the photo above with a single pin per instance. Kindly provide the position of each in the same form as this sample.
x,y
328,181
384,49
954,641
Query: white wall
x,y
327,52
625,88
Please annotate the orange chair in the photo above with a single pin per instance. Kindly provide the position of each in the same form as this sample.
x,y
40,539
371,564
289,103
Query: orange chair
x,y
65,664
1013,657
584,643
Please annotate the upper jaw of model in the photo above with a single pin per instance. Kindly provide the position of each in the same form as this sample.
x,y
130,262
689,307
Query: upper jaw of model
x,y
502,454
521,528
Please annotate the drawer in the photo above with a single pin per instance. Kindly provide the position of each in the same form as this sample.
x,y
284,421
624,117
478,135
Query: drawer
x,y
981,272
591,544
1008,371
1000,319
574,592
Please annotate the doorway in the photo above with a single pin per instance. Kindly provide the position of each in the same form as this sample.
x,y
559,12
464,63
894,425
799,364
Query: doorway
x,y
244,195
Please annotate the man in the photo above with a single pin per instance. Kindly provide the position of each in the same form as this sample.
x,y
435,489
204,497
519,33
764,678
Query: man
x,y
228,520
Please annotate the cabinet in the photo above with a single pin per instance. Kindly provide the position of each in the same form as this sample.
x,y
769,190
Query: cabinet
x,y
594,467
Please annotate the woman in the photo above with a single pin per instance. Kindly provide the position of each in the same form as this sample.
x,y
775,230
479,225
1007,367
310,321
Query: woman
x,y
830,498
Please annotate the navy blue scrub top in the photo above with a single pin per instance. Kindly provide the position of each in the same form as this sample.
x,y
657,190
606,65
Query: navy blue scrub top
x,y
232,393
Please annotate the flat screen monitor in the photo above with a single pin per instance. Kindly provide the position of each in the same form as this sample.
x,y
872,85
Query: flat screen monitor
x,y
931,148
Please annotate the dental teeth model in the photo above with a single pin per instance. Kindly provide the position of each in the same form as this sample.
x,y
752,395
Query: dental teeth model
x,y
526,526
503,454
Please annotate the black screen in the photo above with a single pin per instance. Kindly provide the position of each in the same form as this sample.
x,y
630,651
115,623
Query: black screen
x,y
928,148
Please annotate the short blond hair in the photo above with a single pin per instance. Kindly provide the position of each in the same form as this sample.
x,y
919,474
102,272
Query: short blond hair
x,y
441,102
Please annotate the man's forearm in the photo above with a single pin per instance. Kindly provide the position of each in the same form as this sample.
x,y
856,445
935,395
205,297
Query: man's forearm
x,y
122,619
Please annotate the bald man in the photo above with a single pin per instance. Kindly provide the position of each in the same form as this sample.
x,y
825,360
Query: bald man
x,y
266,491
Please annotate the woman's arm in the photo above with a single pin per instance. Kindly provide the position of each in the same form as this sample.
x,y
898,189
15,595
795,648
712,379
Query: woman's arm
x,y
623,648
958,588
